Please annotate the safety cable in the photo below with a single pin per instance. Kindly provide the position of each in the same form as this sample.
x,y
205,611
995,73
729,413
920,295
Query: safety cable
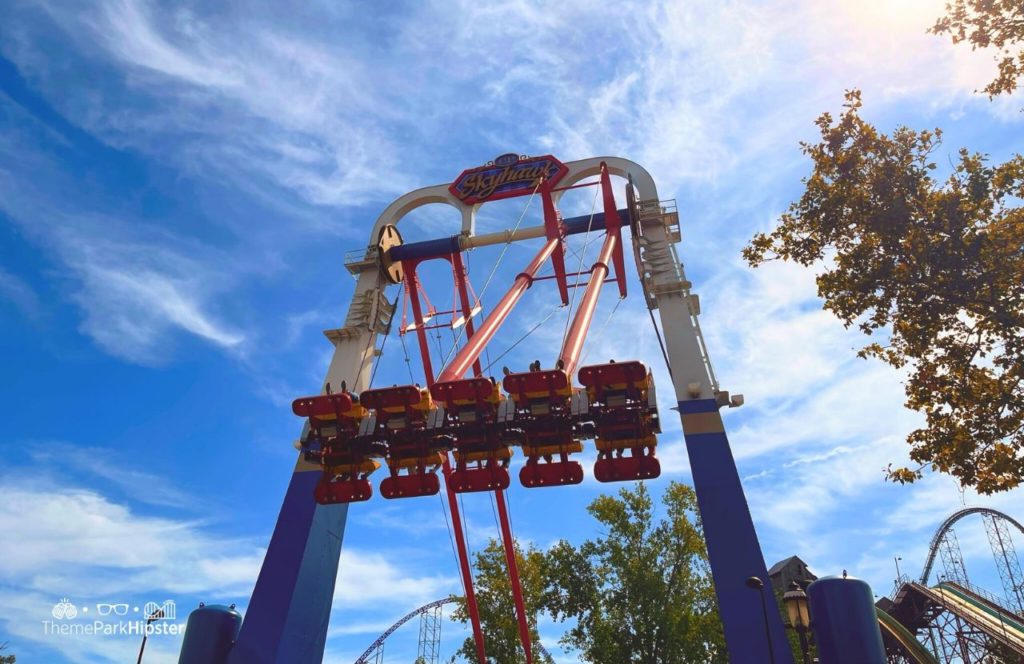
x,y
508,510
579,269
600,333
387,333
455,340
465,531
494,512
451,538
437,337
494,268
522,338
661,343
408,362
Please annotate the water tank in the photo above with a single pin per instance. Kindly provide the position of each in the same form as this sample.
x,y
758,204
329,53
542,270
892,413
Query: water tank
x,y
209,635
844,621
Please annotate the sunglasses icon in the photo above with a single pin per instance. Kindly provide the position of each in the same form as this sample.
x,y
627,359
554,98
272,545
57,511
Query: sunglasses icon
x,y
117,609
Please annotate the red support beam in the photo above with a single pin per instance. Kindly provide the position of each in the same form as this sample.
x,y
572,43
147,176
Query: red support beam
x,y
412,289
459,270
553,230
467,573
614,225
513,576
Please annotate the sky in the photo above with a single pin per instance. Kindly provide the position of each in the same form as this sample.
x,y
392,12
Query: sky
x,y
179,183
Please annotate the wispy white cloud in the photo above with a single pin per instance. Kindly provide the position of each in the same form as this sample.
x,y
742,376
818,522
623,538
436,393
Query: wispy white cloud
x,y
17,291
135,285
104,465
263,100
134,292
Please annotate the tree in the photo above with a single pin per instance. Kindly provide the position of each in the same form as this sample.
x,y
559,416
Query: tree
x,y
642,592
494,601
935,267
985,24
6,659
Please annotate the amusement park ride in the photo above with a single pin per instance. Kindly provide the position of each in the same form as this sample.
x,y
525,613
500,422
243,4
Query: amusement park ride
x,y
463,425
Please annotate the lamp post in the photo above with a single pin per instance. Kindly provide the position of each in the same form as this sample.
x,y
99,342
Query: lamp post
x,y
755,583
795,600
899,576
156,615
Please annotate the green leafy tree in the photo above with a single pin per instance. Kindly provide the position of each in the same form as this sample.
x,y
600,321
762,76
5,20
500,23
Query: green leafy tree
x,y
497,608
997,24
936,268
642,592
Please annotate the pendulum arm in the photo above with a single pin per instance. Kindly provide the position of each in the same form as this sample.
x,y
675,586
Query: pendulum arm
x,y
474,347
611,250
459,272
577,333
506,532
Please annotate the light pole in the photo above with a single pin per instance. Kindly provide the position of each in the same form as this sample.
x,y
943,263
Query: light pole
x,y
755,583
899,576
153,617
795,600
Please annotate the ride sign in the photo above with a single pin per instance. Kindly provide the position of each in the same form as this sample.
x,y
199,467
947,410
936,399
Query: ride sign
x,y
507,176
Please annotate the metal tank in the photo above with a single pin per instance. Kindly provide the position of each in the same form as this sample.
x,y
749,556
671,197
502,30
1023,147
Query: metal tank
x,y
209,635
844,621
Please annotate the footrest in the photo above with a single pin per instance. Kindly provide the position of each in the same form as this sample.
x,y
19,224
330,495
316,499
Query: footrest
x,y
342,491
556,473
625,469
352,467
410,486
488,478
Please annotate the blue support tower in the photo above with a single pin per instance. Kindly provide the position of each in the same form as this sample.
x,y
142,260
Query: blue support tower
x,y
732,542
286,620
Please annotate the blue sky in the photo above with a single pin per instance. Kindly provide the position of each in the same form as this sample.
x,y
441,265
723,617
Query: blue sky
x,y
179,183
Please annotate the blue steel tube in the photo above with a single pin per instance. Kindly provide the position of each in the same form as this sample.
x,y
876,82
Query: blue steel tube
x,y
449,245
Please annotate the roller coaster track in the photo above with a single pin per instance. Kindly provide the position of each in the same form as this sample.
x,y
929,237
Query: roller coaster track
x,y
911,647
379,641
933,548
915,606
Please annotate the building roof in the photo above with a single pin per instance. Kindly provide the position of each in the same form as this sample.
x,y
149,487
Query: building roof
x,y
783,564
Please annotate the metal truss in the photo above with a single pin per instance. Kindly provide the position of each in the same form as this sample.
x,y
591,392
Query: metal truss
x,y
429,649
1007,563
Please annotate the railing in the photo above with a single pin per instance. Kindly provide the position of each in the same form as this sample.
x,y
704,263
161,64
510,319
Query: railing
x,y
357,260
664,258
